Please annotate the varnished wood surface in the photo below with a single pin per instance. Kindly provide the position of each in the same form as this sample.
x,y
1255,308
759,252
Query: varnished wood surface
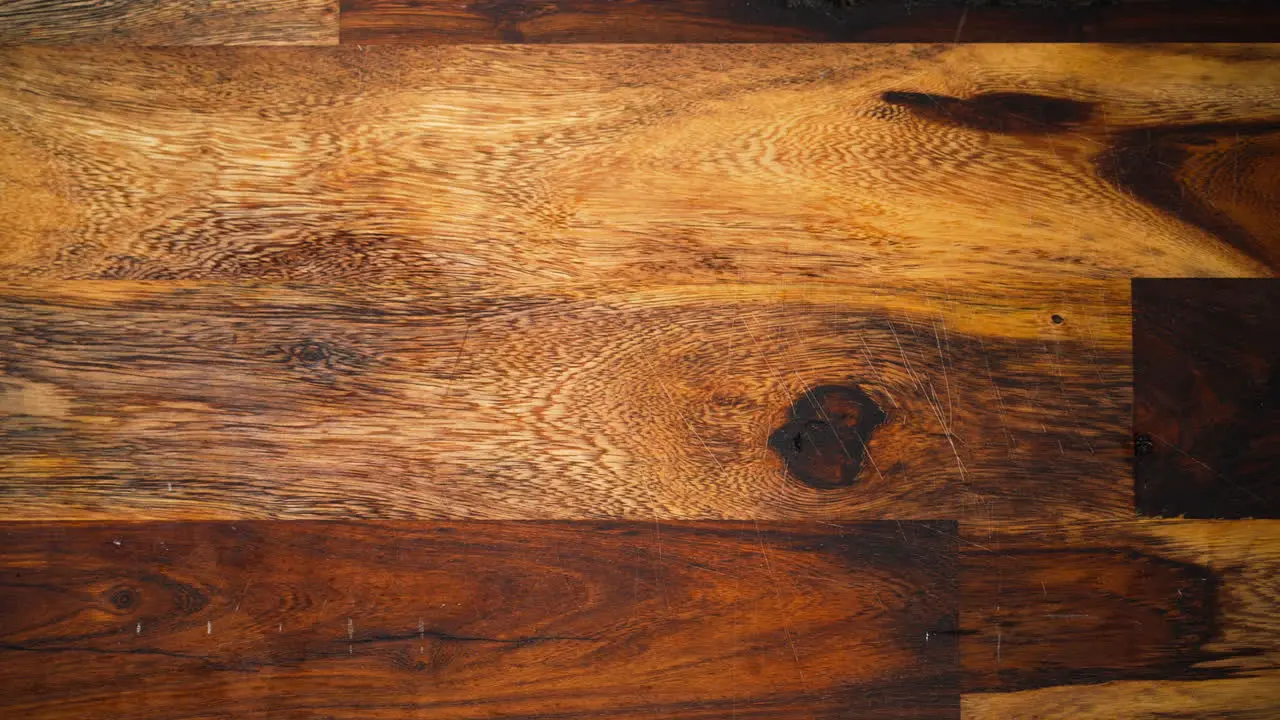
x,y
986,167
1139,619
804,286
605,291
460,620
204,399
667,21
1206,397
169,22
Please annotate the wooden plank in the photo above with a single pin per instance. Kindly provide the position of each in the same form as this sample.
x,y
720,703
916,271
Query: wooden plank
x,y
1139,619
169,22
199,399
667,21
626,167
1206,397
460,620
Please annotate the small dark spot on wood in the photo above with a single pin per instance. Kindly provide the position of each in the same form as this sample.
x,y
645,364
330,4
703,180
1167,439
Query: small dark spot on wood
x,y
823,442
1143,445
820,4
309,353
1009,113
123,598
813,428
312,353
1058,319
507,15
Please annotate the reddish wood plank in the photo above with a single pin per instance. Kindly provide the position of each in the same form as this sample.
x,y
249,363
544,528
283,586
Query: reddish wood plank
x,y
1100,602
458,620
1130,620
666,21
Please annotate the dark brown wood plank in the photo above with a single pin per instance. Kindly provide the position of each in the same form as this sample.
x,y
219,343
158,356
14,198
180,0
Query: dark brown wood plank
x,y
197,400
1207,397
462,620
169,22
671,21
1138,619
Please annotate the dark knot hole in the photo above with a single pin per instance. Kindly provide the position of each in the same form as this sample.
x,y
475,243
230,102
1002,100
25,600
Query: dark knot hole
x,y
810,428
823,441
123,599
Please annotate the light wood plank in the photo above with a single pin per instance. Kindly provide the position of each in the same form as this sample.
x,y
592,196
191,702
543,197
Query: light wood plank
x,y
169,22
196,399
639,166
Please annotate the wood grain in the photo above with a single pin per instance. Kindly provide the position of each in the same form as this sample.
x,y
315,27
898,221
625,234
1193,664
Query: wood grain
x,y
1206,397
611,277
169,22
199,399
987,167
461,620
666,21
761,283
1139,619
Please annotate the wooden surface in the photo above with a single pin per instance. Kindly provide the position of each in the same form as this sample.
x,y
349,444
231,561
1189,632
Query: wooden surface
x,y
1140,619
611,287
670,21
1206,397
169,22
742,318
200,399
456,620
984,168
316,22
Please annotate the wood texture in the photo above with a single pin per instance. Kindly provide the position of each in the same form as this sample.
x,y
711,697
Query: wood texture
x,y
989,168
458,620
169,22
1206,397
760,283
1144,619
640,263
666,21
201,399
